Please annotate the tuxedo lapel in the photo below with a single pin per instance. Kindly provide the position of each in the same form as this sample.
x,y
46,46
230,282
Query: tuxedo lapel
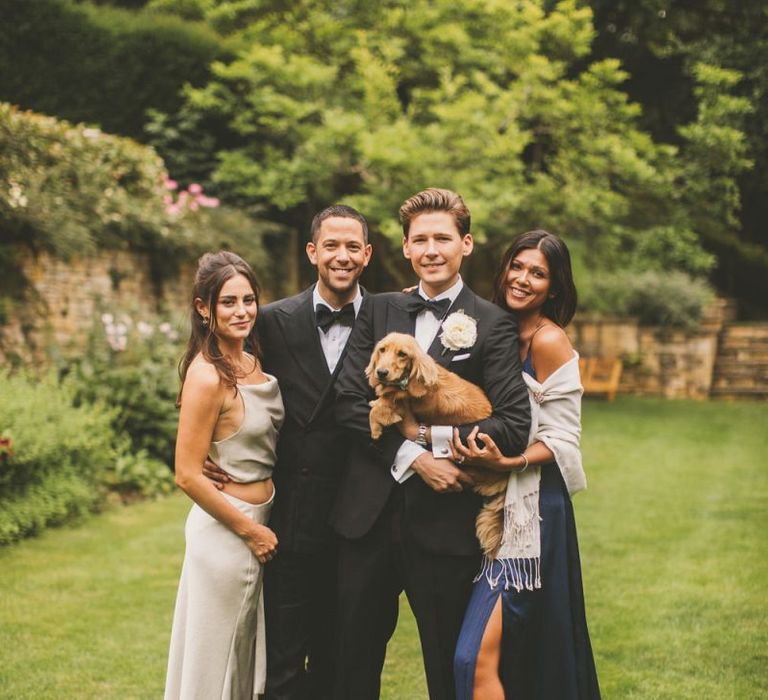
x,y
399,318
464,302
303,342
328,391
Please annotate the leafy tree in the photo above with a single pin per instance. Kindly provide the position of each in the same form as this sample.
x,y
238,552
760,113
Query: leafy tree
x,y
662,43
497,100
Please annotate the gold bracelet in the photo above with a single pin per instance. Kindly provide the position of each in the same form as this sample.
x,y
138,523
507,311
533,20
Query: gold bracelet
x,y
525,466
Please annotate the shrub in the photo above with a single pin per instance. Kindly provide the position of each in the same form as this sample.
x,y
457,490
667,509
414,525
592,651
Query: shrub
x,y
60,455
130,366
100,65
656,298
73,189
139,474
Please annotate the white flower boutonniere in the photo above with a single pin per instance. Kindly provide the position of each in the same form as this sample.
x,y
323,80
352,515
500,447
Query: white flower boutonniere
x,y
459,331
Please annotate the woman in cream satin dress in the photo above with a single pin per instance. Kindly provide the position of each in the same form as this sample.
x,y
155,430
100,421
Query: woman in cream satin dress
x,y
231,411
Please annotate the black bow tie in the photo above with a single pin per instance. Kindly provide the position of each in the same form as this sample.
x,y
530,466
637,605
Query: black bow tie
x,y
326,317
417,304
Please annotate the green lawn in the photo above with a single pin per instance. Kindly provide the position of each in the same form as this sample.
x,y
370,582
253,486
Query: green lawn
x,y
674,544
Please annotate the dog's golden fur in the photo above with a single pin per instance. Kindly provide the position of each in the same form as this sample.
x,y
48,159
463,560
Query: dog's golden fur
x,y
401,372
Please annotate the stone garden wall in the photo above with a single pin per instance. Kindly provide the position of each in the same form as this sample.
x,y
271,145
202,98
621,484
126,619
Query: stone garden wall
x,y
66,298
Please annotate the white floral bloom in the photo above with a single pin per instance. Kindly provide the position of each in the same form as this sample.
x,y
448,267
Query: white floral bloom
x,y
17,196
459,331
121,329
145,329
173,336
107,319
164,328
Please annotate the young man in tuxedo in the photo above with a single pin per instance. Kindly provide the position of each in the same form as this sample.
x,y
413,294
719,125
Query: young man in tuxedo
x,y
302,341
405,510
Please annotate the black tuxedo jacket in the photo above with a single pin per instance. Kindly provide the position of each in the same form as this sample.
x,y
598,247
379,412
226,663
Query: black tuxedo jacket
x,y
311,448
439,522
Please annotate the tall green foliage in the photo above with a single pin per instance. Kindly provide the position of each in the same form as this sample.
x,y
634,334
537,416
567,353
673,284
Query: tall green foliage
x,y
496,100
72,190
59,455
663,45
99,65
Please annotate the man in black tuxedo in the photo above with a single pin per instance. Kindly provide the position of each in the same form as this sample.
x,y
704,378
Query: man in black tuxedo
x,y
405,512
302,341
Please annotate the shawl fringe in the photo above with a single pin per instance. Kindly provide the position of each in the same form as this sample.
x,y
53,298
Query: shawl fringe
x,y
517,573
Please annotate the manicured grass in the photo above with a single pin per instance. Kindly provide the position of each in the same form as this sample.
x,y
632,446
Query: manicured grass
x,y
674,544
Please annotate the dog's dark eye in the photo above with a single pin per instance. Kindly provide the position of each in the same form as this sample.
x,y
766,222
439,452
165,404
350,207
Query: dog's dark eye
x,y
402,353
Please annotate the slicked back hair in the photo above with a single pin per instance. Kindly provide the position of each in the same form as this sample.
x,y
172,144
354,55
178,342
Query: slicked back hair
x,y
431,200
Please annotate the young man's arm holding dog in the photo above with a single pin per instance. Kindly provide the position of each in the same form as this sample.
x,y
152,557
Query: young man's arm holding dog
x,y
500,377
352,406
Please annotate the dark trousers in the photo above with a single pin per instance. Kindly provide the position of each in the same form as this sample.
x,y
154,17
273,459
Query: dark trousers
x,y
373,571
299,599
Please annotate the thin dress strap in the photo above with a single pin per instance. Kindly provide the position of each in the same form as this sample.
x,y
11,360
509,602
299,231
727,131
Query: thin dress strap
x,y
528,361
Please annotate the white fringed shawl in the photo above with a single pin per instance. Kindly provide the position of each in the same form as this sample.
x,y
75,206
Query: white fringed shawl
x,y
555,421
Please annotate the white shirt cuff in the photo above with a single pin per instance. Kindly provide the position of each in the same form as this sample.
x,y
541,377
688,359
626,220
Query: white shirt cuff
x,y
442,436
405,457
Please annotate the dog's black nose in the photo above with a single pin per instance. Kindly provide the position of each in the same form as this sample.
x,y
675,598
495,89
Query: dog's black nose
x,y
382,373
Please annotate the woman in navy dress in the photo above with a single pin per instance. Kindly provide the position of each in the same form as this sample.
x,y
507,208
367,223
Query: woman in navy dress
x,y
525,631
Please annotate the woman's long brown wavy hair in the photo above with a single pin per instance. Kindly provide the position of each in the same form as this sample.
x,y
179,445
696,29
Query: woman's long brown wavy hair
x,y
213,270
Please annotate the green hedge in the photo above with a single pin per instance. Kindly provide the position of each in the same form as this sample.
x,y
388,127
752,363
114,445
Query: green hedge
x,y
98,64
59,455
655,298
63,459
72,189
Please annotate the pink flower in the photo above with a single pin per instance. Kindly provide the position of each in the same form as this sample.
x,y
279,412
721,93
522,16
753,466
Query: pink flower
x,y
171,184
210,202
194,188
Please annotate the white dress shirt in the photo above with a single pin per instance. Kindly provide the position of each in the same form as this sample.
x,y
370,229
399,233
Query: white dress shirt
x,y
335,338
427,326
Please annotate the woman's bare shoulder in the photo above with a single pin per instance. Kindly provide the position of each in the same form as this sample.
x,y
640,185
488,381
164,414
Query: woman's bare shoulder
x,y
551,349
202,377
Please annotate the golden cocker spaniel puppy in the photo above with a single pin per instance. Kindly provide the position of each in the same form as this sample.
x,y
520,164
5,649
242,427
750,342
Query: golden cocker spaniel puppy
x,y
401,373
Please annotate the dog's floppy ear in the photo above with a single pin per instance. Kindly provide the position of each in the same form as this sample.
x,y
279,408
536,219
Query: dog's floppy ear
x,y
423,374
369,370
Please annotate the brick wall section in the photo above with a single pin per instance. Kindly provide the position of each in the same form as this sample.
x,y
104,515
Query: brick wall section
x,y
66,297
741,370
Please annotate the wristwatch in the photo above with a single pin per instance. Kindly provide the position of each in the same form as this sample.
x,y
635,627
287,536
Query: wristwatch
x,y
421,438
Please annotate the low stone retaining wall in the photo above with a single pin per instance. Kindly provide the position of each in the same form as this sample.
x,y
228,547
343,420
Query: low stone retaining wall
x,y
658,361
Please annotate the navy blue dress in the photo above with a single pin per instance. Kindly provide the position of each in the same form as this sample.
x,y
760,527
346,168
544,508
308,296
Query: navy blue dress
x,y
545,648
